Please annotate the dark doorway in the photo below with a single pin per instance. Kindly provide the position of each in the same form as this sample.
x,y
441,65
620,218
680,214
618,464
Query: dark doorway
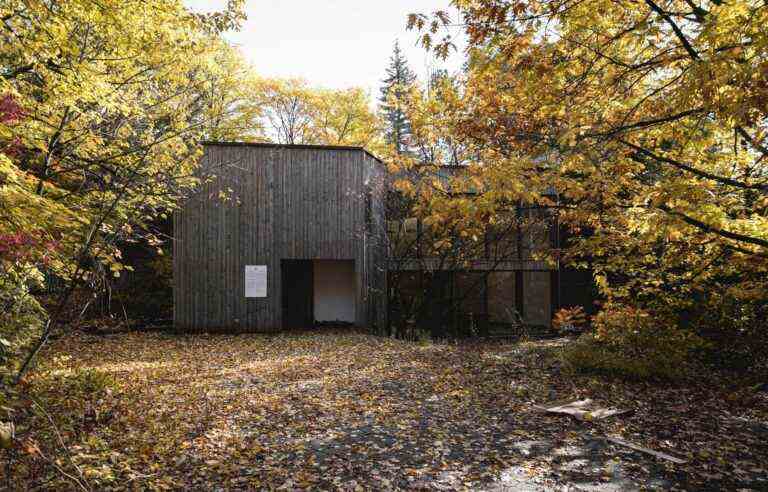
x,y
297,281
577,288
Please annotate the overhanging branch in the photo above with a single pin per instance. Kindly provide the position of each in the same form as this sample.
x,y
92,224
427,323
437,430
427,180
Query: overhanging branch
x,y
714,230
678,32
693,170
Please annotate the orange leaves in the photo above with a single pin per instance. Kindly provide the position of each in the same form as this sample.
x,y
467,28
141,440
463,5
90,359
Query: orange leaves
x,y
569,317
335,410
428,27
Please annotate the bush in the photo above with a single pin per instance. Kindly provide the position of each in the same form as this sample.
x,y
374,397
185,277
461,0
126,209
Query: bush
x,y
90,382
633,344
570,320
147,292
734,329
21,318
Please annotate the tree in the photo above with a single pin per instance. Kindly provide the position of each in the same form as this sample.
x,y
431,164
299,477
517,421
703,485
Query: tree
x,y
431,138
228,110
344,117
398,82
104,107
287,106
448,235
297,113
649,120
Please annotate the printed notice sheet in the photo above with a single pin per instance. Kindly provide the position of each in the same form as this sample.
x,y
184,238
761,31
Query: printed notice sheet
x,y
256,281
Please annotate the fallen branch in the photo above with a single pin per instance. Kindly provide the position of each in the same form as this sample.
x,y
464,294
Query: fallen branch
x,y
637,447
581,409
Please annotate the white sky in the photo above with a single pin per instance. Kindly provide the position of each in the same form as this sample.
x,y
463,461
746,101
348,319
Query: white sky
x,y
332,43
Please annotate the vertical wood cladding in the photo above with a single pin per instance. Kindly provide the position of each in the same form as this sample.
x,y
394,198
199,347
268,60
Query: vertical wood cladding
x,y
260,204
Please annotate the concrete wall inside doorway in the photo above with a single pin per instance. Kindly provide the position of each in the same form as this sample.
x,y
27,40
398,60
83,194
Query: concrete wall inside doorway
x,y
334,290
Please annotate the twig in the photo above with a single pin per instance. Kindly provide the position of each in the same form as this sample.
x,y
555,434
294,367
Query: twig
x,y
84,483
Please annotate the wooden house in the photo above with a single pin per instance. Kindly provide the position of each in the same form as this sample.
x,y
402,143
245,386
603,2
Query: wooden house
x,y
279,236
286,236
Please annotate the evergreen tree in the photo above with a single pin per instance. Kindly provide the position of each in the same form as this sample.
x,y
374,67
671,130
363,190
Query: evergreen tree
x,y
393,93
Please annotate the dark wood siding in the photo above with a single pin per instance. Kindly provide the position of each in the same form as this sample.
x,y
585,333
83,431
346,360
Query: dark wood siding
x,y
258,205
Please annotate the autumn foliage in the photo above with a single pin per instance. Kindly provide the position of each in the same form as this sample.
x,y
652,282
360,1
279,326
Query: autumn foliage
x,y
648,120
639,128
101,111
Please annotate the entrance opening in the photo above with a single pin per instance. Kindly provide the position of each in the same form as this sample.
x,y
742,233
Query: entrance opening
x,y
297,285
334,291
318,291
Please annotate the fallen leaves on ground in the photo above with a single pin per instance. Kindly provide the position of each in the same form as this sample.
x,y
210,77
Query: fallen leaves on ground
x,y
341,410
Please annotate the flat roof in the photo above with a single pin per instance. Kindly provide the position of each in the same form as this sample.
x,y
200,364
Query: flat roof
x,y
290,146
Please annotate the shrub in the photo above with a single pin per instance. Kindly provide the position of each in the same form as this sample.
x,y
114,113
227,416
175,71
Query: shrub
x,y
21,317
147,292
734,328
90,382
570,320
631,343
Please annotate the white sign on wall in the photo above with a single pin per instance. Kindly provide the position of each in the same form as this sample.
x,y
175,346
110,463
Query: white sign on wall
x,y
256,281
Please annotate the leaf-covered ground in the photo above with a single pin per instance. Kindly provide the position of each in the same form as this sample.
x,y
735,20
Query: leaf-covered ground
x,y
349,411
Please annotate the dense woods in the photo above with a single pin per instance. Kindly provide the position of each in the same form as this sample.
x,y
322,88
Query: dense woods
x,y
635,130
648,120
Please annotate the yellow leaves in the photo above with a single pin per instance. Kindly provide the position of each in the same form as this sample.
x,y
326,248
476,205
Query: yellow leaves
x,y
405,186
442,244
22,208
674,234
644,137
113,115
602,282
295,112
459,393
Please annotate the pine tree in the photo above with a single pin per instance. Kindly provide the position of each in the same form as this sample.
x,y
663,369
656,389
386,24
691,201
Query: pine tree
x,y
399,78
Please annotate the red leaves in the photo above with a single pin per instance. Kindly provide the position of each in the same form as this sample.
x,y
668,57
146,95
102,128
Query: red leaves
x,y
22,246
14,149
10,110
16,246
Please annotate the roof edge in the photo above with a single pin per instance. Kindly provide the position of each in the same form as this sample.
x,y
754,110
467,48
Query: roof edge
x,y
290,146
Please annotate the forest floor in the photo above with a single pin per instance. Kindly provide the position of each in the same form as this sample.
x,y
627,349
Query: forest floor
x,y
340,410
